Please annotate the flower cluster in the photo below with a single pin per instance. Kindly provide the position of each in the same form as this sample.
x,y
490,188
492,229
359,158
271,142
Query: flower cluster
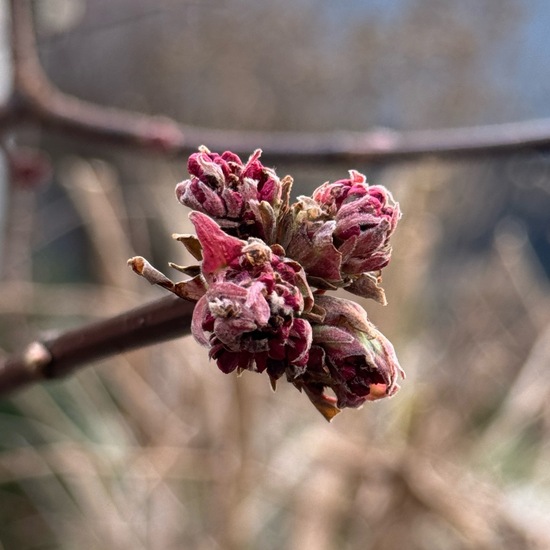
x,y
251,314
265,269
244,199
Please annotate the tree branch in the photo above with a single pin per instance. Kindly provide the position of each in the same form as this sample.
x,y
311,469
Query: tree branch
x,y
158,321
37,100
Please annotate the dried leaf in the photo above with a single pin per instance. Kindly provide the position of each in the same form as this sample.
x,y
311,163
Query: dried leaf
x,y
191,243
192,290
367,286
325,404
191,270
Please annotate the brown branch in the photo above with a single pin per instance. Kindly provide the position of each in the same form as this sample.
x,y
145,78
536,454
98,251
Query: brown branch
x,y
156,322
36,99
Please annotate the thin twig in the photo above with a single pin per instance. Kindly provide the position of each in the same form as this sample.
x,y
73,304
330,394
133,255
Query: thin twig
x,y
37,100
156,322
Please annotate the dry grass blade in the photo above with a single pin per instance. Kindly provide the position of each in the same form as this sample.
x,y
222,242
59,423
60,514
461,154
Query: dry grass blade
x,y
95,193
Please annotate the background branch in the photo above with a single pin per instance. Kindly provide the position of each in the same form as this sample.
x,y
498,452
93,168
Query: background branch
x,y
37,100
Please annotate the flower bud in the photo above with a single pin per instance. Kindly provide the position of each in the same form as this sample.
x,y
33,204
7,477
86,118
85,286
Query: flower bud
x,y
249,316
343,231
29,168
350,356
363,229
255,309
331,196
243,198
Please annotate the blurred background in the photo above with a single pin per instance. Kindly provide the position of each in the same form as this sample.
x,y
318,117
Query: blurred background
x,y
157,449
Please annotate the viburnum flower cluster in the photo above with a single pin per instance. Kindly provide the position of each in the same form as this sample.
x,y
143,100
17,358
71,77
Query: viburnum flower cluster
x,y
265,269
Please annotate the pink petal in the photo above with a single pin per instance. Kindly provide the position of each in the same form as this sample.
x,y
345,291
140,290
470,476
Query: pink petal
x,y
218,249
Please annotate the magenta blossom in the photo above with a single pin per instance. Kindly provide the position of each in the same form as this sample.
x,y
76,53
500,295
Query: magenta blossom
x,y
364,225
243,198
258,255
249,316
343,230
349,356
331,196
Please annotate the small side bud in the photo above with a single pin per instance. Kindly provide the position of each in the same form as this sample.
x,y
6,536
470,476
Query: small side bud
x,y
142,267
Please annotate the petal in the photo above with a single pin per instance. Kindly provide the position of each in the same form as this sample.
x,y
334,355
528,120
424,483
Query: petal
x,y
233,202
312,246
199,196
257,304
344,313
227,361
218,249
209,168
367,286
199,313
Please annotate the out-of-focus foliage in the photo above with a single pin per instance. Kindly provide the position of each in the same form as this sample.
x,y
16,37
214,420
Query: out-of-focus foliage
x,y
156,449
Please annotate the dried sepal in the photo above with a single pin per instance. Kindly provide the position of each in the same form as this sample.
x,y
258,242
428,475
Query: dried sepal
x,y
286,188
324,403
367,285
155,277
191,243
316,314
189,290
190,270
193,289
321,284
265,219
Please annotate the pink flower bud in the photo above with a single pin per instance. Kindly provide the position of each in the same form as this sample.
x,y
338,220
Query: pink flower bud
x,y
243,198
363,228
249,316
350,356
331,196
255,308
343,231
